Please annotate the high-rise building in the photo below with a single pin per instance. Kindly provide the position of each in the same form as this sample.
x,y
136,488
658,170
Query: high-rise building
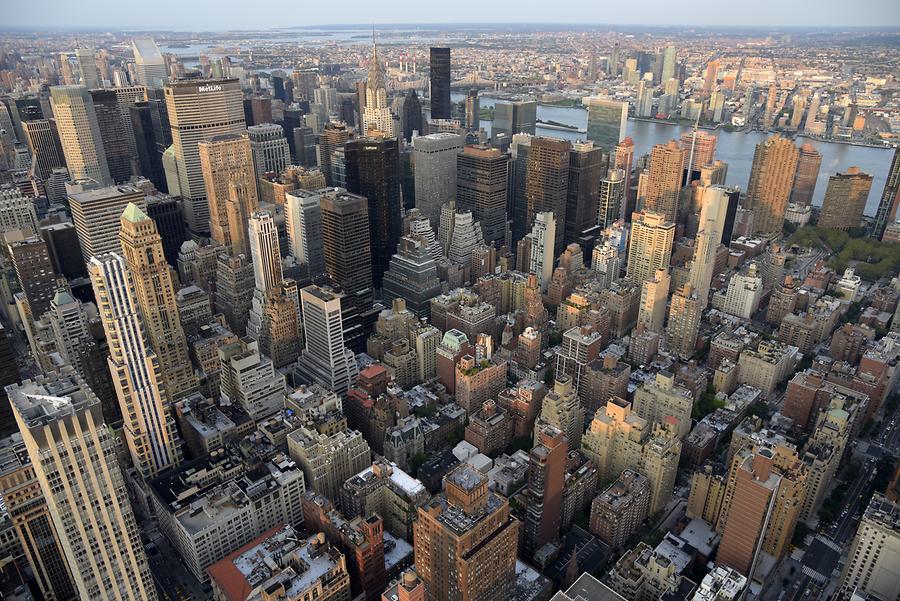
x,y
79,134
199,110
481,187
650,245
465,540
771,180
325,359
845,199
226,163
808,162
154,294
890,198
303,225
585,172
514,117
149,64
116,133
149,428
607,120
546,480
435,159
654,294
874,551
271,152
661,184
43,142
373,171
377,118
96,213
73,455
546,185
440,83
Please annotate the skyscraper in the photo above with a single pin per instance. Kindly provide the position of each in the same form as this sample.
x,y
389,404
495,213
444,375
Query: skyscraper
x,y
377,116
465,540
79,134
373,171
199,110
149,428
808,162
585,171
325,359
650,245
226,162
440,83
154,295
771,179
271,152
661,184
481,188
435,158
607,120
149,63
547,182
845,199
890,198
74,459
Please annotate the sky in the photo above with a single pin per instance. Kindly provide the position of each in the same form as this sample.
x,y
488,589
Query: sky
x,y
220,15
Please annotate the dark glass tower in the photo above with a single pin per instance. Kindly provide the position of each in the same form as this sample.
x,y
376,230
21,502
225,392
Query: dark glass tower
x,y
440,83
373,171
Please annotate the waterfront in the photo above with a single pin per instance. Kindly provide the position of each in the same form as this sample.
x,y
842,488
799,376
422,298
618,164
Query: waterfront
x,y
735,148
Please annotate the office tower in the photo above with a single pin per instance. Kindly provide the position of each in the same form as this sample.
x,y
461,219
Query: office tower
x,y
712,76
465,540
117,139
146,147
544,492
79,134
699,150
890,198
412,276
607,120
435,159
34,270
440,83
875,549
541,238
149,64
845,199
650,245
303,225
808,162
154,295
148,428
226,162
514,117
373,171
771,179
96,214
547,183
334,136
87,68
611,198
271,152
43,142
661,184
585,172
325,359
200,110
73,456
377,118
481,187
654,294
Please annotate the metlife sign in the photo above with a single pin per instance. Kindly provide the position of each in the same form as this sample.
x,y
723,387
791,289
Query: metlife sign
x,y
210,88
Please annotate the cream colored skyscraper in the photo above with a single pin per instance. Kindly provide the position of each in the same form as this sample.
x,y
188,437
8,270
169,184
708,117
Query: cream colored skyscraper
x,y
663,180
654,293
200,110
74,459
154,295
227,165
79,133
149,428
650,245
771,180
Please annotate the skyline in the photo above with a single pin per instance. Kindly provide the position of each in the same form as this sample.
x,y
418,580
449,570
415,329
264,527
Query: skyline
x,y
175,16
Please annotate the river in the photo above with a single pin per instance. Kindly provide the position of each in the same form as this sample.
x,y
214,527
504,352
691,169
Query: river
x,y
735,148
